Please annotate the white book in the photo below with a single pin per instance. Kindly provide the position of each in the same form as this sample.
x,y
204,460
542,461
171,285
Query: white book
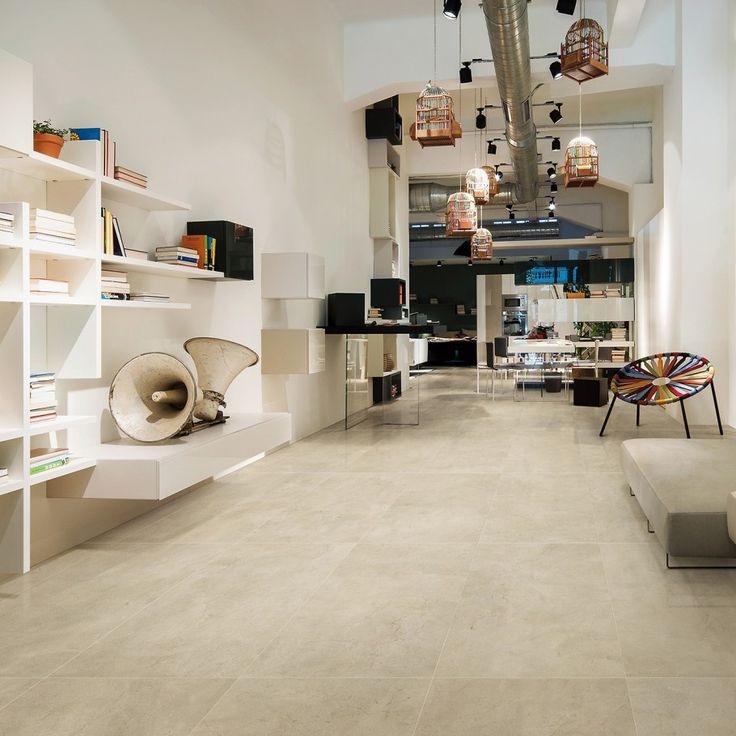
x,y
50,215
53,239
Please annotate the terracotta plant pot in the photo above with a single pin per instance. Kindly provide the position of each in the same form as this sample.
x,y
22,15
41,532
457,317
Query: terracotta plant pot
x,y
48,144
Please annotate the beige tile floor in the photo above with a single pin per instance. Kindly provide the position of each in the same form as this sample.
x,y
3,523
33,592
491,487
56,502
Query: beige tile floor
x,y
484,573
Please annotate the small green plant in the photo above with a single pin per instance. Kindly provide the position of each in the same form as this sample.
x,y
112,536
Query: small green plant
x,y
44,126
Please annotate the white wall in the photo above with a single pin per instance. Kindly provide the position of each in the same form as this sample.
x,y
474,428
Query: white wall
x,y
238,109
686,254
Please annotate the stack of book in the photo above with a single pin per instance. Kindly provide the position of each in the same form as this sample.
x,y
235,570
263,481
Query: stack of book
x,y
48,458
3,477
460,309
115,285
52,227
613,292
597,294
43,287
434,300
43,396
375,313
618,333
618,355
6,222
205,247
147,296
131,177
177,255
109,147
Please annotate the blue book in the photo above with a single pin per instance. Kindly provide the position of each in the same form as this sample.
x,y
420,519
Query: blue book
x,y
186,259
88,134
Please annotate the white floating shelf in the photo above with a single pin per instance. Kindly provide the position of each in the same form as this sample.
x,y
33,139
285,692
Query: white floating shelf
x,y
73,466
39,166
10,433
138,265
50,300
58,251
130,194
119,304
58,423
8,241
11,485
127,469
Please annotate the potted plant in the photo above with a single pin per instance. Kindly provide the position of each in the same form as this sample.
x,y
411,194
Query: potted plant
x,y
47,139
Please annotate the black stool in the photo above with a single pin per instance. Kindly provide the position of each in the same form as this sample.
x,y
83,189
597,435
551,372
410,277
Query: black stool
x,y
590,391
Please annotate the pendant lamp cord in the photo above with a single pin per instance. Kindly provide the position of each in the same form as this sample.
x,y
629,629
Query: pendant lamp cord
x,y
460,94
434,19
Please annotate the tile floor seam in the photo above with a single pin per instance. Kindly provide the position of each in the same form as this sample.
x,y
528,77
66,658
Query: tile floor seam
x,y
272,639
444,641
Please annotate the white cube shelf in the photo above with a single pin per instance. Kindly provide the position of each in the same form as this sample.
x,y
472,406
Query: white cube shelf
x,y
292,351
292,276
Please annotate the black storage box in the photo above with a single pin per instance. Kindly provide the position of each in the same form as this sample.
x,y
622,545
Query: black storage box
x,y
588,391
553,383
233,249
345,310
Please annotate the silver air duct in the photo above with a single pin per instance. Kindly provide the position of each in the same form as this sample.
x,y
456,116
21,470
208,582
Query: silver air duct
x,y
508,30
431,197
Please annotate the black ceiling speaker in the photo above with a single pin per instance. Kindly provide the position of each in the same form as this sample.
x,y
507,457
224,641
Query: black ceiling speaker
x,y
491,148
480,119
466,75
566,6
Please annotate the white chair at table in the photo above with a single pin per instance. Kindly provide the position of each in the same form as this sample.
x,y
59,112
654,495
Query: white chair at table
x,y
501,350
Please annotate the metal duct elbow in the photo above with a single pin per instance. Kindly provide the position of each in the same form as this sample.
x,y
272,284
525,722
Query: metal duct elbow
x,y
508,31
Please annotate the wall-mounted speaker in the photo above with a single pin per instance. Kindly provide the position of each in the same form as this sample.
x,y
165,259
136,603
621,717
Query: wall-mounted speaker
x,y
566,6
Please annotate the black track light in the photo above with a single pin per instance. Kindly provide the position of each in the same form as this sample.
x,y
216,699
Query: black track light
x,y
553,186
509,207
470,262
501,261
556,115
491,148
512,216
555,144
499,174
552,172
451,8
439,264
466,75
480,119
552,205
555,69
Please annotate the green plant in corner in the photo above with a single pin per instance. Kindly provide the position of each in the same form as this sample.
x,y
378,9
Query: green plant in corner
x,y
44,126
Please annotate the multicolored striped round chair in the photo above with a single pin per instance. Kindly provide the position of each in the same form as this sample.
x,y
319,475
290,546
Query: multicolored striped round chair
x,y
663,379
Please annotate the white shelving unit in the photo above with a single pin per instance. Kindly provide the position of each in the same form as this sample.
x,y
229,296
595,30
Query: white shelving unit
x,y
64,334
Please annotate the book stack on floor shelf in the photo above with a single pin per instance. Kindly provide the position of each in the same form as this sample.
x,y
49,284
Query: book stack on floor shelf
x,y
149,296
613,292
115,285
618,355
131,177
178,255
618,333
205,247
48,458
43,396
52,227
7,222
46,287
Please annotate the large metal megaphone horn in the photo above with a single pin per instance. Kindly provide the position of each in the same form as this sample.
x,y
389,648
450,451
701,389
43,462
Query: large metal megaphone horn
x,y
152,397
218,362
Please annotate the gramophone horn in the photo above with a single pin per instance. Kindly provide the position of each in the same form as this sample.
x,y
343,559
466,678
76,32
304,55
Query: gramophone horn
x,y
218,362
152,397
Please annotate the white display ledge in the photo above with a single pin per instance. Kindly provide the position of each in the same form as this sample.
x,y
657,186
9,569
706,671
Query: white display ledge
x,y
138,265
130,194
73,466
116,304
59,423
11,485
57,251
10,433
9,241
39,166
126,469
49,300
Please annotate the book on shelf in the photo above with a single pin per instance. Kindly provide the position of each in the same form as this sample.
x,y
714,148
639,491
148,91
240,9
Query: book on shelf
x,y
165,250
613,292
59,462
148,297
179,261
118,247
44,454
48,402
42,416
131,177
111,275
7,222
114,296
114,287
3,472
52,227
109,148
205,247
49,286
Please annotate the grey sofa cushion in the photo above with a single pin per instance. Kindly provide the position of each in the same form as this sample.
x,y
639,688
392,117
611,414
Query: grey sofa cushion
x,y
683,487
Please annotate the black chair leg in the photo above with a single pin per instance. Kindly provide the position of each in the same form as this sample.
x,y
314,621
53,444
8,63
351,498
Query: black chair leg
x,y
684,418
715,403
638,409
605,421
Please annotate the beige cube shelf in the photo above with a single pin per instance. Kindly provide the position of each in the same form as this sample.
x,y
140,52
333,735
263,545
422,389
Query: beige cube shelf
x,y
292,276
286,352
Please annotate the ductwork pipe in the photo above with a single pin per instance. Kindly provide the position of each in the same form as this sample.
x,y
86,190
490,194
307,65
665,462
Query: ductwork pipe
x,y
508,31
431,197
